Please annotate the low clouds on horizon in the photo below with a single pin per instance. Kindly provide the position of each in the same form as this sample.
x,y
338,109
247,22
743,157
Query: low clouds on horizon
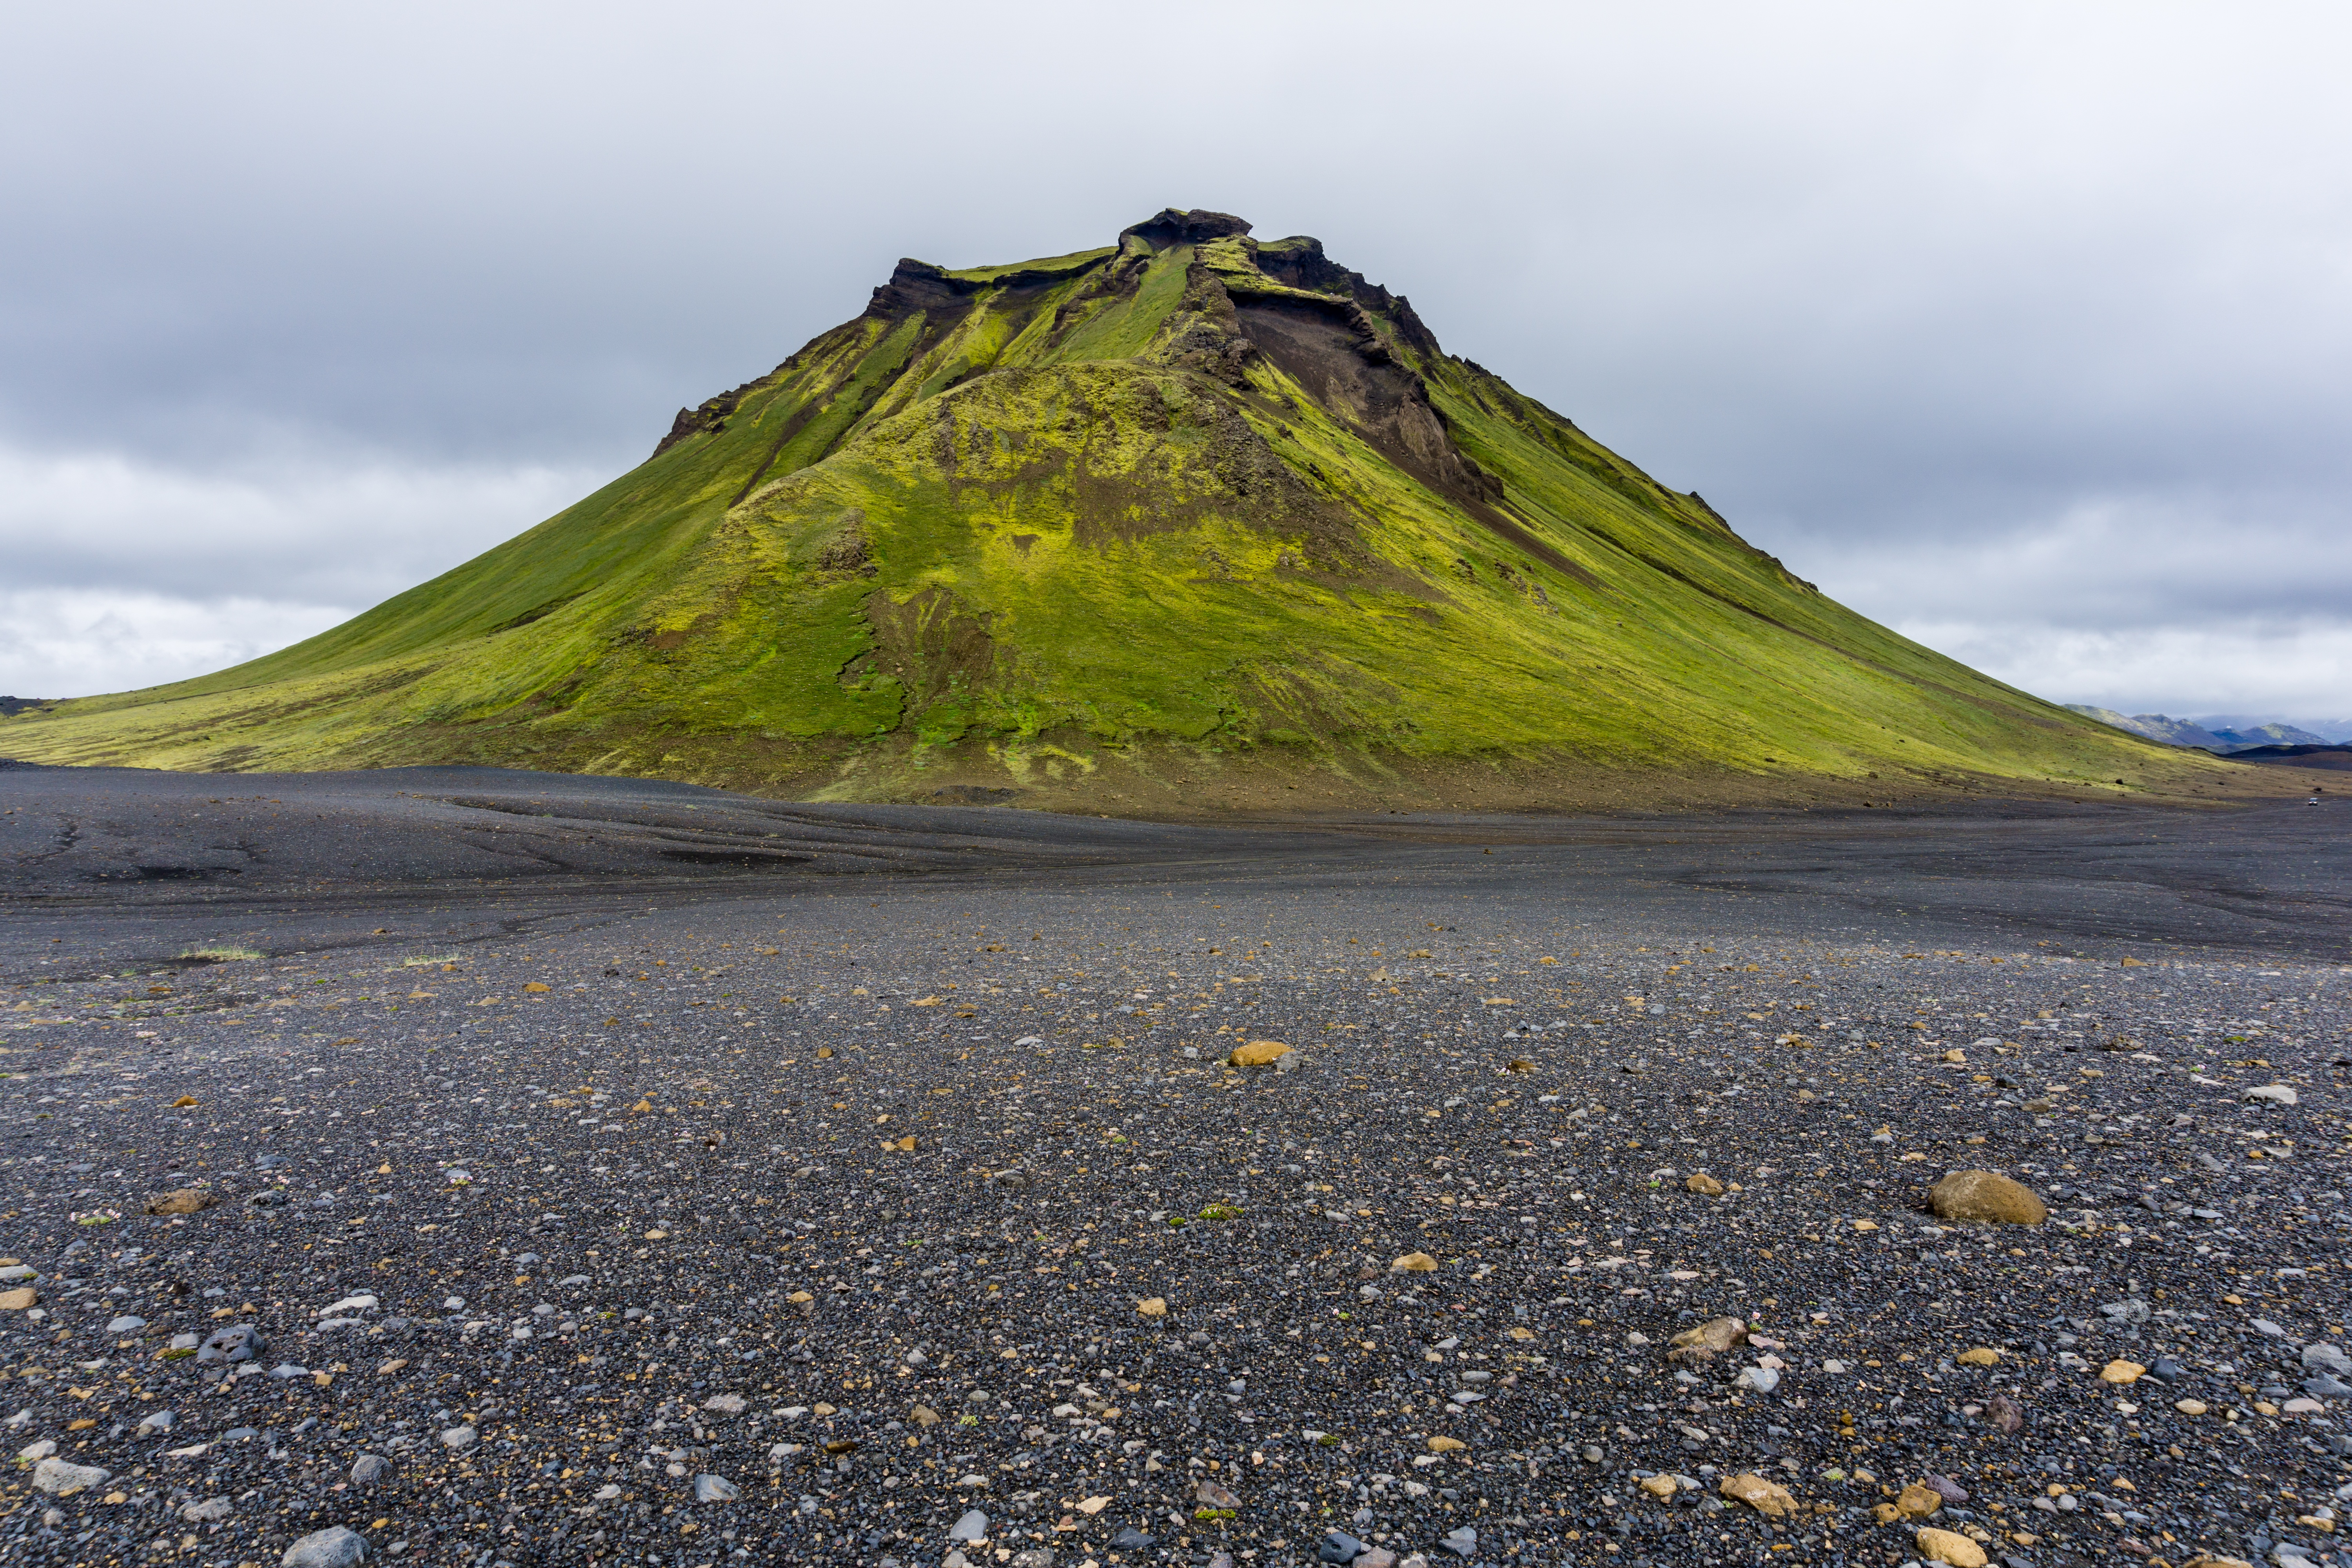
x,y
2023,331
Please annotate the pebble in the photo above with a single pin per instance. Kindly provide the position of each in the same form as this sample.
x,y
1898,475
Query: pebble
x,y
237,1342
1461,1541
1987,1197
64,1477
337,1546
206,1511
181,1201
1761,1379
1768,1497
1338,1546
715,1489
2276,1093
972,1526
459,1437
1949,1546
160,1421
126,1324
371,1469
1212,1494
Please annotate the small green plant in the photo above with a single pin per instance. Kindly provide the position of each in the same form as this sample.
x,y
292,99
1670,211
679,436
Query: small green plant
x,y
425,962
1220,1211
224,954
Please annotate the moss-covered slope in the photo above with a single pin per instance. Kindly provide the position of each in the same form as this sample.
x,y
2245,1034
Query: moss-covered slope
x,y
1183,521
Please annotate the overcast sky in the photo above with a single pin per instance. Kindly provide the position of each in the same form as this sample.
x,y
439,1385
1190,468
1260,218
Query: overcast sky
x,y
2026,330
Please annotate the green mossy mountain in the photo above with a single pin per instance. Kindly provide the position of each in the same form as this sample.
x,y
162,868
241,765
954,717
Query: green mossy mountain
x,y
1174,523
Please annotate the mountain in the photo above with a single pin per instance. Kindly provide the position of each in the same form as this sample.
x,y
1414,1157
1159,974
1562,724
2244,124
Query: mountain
x,y
1187,522
2210,735
2279,734
2155,726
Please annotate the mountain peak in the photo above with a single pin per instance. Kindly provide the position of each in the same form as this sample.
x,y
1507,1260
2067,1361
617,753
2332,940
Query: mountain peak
x,y
1171,225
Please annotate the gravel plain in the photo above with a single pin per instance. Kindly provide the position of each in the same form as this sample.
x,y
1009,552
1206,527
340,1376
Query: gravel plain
x,y
898,1202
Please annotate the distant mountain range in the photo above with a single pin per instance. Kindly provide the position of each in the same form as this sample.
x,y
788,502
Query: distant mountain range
x,y
2221,733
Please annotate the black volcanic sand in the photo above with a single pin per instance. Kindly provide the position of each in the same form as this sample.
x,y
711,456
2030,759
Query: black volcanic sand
x,y
829,1152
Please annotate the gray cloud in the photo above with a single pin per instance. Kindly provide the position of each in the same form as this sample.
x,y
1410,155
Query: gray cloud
x,y
2024,331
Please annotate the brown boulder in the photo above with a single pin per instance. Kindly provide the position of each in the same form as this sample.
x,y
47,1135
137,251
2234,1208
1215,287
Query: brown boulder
x,y
1985,1195
1707,1340
1766,1498
1948,1547
180,1200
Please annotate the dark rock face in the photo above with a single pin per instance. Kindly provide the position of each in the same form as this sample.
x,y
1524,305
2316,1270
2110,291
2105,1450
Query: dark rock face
x,y
1170,226
712,416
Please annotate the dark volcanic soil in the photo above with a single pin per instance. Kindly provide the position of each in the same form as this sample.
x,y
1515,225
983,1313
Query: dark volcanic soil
x,y
568,1142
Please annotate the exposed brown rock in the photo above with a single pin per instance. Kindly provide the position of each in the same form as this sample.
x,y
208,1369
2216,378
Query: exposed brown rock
x,y
1707,1340
1985,1195
180,1200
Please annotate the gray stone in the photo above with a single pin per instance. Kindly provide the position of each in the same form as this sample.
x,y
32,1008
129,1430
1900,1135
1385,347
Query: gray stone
x,y
333,1547
1462,1542
972,1526
237,1341
1211,1494
459,1437
2327,1387
1338,1546
1131,1540
2276,1093
1761,1379
161,1421
287,1372
64,1478
715,1489
371,1469
2325,1357
208,1510
126,1324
